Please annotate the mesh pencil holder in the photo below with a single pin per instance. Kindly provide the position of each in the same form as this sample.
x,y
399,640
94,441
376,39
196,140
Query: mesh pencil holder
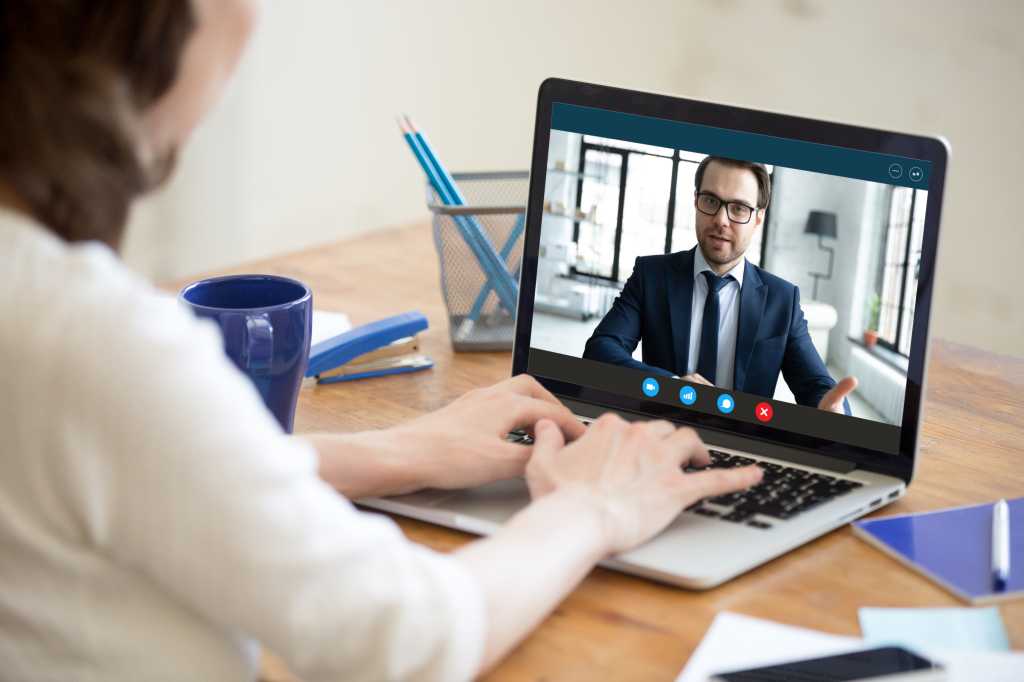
x,y
480,318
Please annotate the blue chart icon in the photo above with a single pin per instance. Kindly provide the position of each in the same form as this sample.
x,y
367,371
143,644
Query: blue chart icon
x,y
650,387
726,403
687,395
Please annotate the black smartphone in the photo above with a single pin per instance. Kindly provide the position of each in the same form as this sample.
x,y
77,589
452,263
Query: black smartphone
x,y
885,663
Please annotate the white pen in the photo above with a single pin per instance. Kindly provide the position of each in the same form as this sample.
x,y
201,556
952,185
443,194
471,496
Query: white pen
x,y
1001,543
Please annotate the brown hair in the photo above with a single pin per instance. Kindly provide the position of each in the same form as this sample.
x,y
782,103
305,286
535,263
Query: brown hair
x,y
75,76
764,181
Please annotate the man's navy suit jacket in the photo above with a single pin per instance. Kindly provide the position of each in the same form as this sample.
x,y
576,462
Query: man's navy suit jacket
x,y
654,306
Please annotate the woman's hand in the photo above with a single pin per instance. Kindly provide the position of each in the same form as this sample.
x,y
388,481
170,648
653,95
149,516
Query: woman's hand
x,y
461,445
613,488
631,473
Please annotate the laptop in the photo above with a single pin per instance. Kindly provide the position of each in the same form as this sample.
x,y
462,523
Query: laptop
x,y
835,280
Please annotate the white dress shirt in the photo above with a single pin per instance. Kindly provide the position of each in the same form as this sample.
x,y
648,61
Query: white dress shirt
x,y
155,522
728,318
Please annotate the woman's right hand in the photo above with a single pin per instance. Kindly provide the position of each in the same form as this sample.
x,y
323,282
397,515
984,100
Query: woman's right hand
x,y
631,473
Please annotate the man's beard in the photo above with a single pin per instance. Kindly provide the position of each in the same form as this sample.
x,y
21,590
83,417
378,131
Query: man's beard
x,y
735,254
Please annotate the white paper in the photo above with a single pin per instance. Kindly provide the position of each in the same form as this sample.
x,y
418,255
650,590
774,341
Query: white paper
x,y
327,324
736,642
971,666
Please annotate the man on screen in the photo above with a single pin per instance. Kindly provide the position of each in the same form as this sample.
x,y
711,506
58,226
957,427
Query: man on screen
x,y
708,315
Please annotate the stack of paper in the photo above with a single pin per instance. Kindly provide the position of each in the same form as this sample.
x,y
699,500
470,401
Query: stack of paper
x,y
327,324
735,642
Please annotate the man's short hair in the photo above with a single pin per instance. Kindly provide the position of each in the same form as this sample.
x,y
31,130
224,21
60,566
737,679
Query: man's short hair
x,y
764,181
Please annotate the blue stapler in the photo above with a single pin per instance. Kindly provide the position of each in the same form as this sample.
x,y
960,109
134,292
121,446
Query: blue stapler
x,y
387,346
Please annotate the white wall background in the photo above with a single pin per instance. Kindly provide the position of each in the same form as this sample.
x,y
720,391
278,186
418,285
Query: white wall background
x,y
305,150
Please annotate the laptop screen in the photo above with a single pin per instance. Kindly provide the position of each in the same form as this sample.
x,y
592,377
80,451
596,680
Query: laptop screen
x,y
759,279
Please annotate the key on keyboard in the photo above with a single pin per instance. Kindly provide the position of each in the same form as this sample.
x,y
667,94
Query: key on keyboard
x,y
519,436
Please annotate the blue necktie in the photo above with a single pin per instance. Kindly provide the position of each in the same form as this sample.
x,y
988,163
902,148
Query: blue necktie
x,y
707,359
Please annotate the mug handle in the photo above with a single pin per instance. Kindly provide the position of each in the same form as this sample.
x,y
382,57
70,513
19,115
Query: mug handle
x,y
259,342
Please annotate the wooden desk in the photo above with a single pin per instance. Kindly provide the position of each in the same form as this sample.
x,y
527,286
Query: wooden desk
x,y
623,628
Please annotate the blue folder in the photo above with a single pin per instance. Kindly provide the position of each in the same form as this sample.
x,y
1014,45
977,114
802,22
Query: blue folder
x,y
953,547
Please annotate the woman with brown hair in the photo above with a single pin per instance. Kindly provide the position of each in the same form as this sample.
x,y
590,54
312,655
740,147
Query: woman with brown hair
x,y
155,521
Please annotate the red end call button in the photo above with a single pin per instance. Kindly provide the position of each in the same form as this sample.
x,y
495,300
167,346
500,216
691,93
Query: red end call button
x,y
764,412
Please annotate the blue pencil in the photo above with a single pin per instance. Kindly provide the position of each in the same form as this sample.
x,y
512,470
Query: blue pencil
x,y
492,264
505,285
460,200
517,229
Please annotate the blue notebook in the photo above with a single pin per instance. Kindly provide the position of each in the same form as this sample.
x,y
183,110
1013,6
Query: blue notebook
x,y
953,547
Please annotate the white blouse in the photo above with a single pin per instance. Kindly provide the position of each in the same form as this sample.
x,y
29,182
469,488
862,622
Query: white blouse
x,y
155,522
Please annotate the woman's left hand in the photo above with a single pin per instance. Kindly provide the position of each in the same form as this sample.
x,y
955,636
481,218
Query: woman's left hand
x,y
458,446
464,443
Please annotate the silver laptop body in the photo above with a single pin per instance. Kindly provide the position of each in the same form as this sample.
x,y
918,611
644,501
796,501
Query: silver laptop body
x,y
707,545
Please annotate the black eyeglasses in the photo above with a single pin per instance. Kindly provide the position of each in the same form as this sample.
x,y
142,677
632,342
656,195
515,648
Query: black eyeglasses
x,y
709,204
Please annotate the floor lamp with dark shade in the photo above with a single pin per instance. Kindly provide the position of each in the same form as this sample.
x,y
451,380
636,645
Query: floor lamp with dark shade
x,y
823,224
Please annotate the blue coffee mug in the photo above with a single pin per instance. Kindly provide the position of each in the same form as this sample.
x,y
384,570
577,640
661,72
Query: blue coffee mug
x,y
266,323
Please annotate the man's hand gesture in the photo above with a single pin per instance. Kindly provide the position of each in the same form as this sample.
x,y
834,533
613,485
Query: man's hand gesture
x,y
833,400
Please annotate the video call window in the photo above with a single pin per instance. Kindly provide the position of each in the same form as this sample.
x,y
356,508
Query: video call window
x,y
850,247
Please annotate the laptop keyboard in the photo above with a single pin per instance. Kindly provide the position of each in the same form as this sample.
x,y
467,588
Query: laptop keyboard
x,y
782,493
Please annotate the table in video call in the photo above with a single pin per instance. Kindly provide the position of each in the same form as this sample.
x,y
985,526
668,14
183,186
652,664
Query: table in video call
x,y
614,626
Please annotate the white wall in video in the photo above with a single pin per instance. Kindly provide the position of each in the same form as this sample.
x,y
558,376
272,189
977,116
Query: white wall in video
x,y
781,245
